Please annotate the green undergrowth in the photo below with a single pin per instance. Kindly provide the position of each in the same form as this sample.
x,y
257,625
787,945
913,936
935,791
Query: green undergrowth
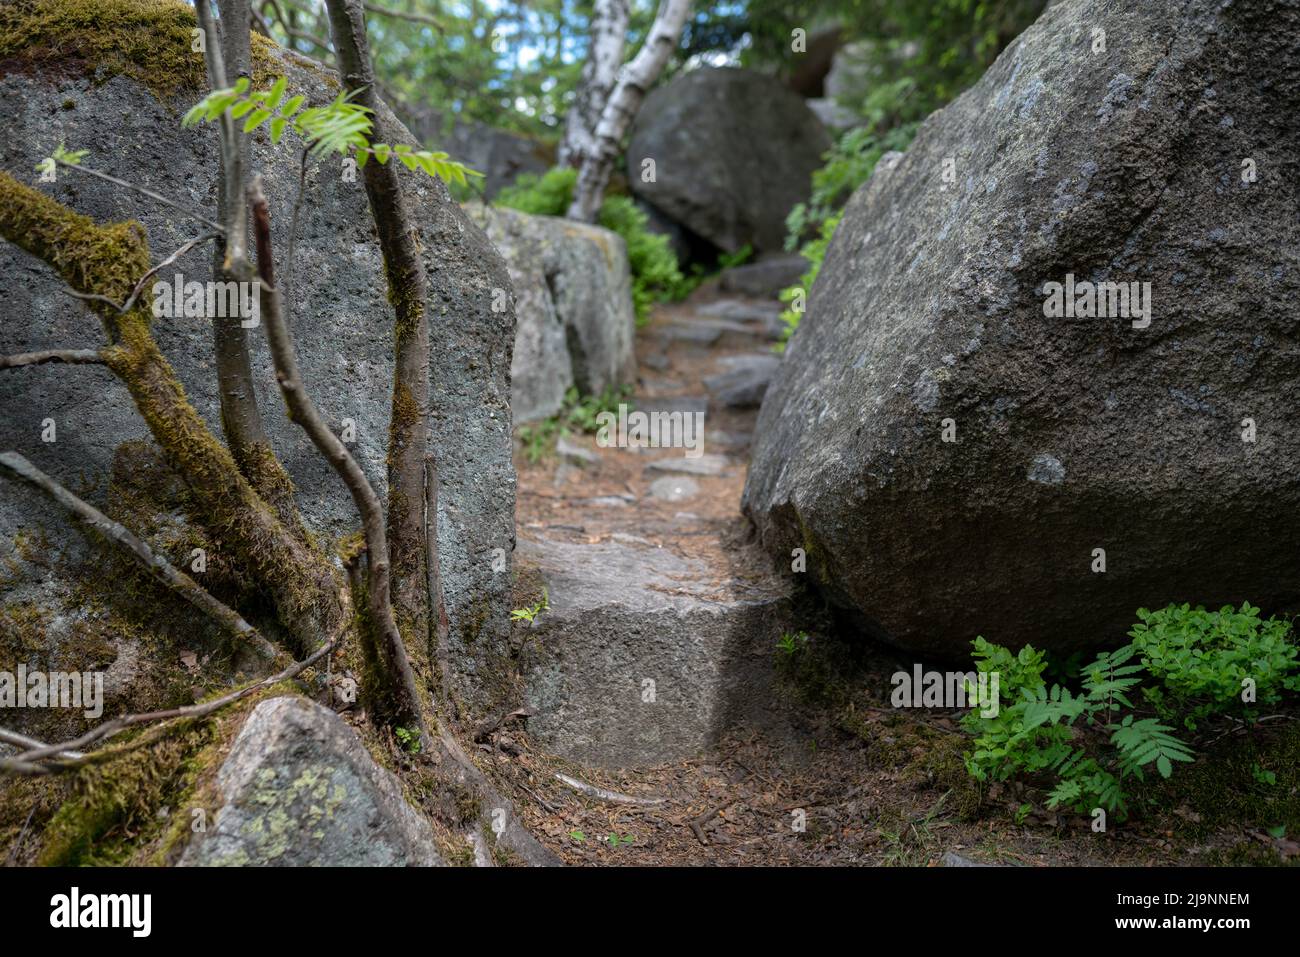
x,y
578,414
1138,716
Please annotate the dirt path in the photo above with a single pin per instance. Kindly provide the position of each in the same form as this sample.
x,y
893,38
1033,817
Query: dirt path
x,y
846,779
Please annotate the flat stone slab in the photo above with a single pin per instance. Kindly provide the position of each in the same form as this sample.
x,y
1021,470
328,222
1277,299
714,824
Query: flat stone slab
x,y
703,465
573,452
741,310
765,278
646,656
744,379
674,489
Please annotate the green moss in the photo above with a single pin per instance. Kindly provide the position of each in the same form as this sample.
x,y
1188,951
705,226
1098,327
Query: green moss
x,y
1222,790
22,632
148,40
115,806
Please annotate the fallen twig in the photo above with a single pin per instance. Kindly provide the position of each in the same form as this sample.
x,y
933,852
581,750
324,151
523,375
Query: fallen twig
x,y
47,759
69,356
605,795
486,727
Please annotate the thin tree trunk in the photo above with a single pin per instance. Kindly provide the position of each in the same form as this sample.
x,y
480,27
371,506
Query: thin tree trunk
x,y
228,57
412,542
599,74
633,83
400,679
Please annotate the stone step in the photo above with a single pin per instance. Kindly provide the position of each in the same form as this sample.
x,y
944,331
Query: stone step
x,y
645,655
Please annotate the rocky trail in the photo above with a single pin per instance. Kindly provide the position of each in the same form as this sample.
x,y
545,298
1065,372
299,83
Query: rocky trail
x,y
743,754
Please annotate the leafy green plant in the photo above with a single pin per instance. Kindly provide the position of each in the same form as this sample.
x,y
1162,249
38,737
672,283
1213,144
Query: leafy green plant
x,y
61,155
578,836
1038,731
1263,775
655,275
792,642
615,840
547,194
409,739
341,126
1203,660
579,413
530,614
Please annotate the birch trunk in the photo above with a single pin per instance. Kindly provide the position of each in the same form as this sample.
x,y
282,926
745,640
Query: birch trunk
x,y
599,74
633,83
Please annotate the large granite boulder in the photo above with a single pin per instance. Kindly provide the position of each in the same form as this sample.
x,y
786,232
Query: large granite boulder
x,y
734,151
573,297
121,98
1160,448
299,789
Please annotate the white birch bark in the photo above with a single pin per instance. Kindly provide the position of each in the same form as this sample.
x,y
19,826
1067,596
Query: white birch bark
x,y
633,83
599,74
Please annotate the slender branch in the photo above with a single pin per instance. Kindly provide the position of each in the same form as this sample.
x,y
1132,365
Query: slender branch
x,y
70,356
139,286
157,566
232,194
101,259
603,794
291,31
404,15
157,197
56,757
27,744
399,243
303,411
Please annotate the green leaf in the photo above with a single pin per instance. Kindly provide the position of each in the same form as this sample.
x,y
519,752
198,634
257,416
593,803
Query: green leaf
x,y
256,119
277,128
276,94
291,106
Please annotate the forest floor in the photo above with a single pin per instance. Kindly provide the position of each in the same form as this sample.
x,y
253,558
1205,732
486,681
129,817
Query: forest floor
x,y
870,784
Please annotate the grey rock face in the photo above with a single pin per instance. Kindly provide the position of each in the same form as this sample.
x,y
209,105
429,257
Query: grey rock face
x,y
299,789
341,320
1072,434
625,613
573,297
833,115
733,152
